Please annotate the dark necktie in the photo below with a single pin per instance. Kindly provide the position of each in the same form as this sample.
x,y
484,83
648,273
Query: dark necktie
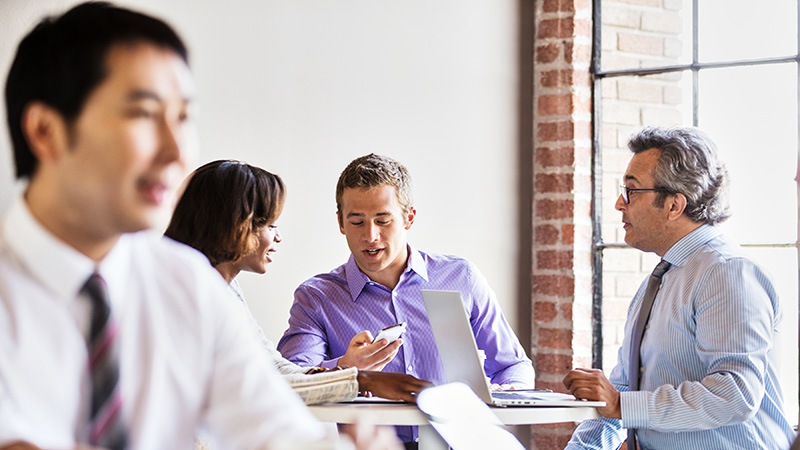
x,y
653,284
106,428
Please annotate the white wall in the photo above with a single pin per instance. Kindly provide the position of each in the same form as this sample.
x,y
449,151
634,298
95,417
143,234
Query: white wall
x,y
302,87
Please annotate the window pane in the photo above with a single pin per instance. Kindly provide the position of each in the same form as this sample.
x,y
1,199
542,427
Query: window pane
x,y
623,272
743,29
781,263
754,124
629,103
641,33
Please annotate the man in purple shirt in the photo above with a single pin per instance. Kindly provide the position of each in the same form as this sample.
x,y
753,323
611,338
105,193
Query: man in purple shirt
x,y
380,285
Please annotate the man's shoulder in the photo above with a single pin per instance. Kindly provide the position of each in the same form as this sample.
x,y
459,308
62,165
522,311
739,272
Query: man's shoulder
x,y
443,259
720,249
325,281
441,266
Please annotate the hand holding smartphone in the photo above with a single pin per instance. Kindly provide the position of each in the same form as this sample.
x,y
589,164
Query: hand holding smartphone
x,y
391,333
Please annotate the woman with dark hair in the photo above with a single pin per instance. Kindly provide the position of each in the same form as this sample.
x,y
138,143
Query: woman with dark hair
x,y
228,211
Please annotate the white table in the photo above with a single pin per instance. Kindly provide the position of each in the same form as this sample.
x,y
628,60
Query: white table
x,y
408,414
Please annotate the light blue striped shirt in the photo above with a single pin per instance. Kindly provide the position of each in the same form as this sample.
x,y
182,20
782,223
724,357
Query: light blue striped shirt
x,y
706,380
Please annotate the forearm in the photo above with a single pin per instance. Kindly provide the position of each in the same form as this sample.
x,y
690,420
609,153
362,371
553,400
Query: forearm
x,y
519,374
718,400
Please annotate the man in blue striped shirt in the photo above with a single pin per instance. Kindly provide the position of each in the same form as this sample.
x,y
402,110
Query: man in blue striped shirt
x,y
706,381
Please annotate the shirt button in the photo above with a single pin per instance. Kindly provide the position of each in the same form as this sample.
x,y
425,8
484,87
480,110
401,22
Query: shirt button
x,y
410,367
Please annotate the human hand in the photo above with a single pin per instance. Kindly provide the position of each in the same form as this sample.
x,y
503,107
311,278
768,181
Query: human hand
x,y
369,437
366,355
391,385
502,387
592,384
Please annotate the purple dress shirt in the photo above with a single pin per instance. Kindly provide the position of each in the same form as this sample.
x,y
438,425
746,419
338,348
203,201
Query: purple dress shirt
x,y
329,309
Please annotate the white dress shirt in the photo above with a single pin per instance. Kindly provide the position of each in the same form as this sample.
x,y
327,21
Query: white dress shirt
x,y
187,353
314,389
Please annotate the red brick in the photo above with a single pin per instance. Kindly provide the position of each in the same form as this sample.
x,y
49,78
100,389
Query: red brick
x,y
555,157
551,105
546,234
549,363
544,311
556,131
555,338
577,53
555,28
566,311
555,285
556,78
554,209
554,182
547,53
554,259
565,78
568,234
551,436
558,6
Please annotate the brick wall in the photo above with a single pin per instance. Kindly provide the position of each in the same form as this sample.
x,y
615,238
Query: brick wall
x,y
561,291
637,33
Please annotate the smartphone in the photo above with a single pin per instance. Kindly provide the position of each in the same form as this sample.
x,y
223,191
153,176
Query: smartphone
x,y
391,333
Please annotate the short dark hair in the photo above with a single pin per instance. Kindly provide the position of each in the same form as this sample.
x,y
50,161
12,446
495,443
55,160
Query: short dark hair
x,y
688,165
222,207
63,59
370,171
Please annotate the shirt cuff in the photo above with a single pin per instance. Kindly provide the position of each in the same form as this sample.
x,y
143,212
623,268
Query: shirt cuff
x,y
633,405
330,364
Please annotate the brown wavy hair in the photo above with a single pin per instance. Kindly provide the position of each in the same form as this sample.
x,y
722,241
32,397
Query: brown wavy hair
x,y
223,206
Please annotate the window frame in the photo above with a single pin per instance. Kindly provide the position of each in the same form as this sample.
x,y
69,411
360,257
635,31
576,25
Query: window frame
x,y
597,75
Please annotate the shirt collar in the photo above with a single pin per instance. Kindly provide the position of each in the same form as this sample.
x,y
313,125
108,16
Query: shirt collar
x,y
680,251
56,265
356,279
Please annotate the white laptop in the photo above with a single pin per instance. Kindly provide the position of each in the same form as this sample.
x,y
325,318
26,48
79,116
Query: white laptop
x,y
462,362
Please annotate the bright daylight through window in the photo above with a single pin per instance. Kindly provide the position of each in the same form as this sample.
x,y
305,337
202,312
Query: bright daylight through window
x,y
731,69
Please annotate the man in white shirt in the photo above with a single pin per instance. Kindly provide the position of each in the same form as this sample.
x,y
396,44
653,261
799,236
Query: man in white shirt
x,y
99,106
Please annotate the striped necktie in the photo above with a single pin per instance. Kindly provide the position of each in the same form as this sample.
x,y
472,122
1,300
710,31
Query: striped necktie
x,y
653,285
106,428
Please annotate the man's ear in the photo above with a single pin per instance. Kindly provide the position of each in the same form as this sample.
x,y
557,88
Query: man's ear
x,y
677,205
45,131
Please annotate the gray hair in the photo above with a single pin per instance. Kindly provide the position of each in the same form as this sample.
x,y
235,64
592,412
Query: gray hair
x,y
688,165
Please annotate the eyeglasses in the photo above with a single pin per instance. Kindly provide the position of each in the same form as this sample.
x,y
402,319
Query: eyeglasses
x,y
625,191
